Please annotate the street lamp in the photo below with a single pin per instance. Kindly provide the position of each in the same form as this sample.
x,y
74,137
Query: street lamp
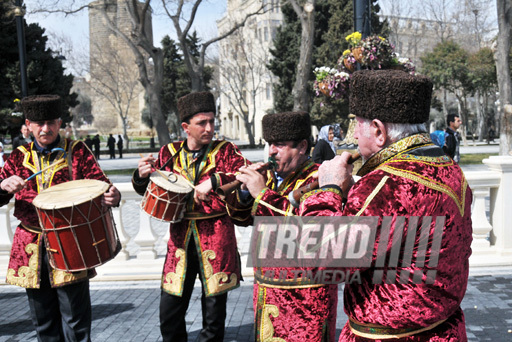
x,y
20,29
309,7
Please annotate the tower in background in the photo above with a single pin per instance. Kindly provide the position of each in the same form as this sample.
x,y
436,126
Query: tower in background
x,y
113,72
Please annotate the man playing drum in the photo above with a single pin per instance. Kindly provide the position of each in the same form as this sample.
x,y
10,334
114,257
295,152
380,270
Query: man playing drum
x,y
60,305
204,241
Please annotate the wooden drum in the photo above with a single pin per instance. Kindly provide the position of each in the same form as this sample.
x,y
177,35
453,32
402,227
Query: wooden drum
x,y
166,197
79,231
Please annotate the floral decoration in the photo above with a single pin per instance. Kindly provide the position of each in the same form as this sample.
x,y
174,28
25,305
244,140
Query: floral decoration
x,y
373,52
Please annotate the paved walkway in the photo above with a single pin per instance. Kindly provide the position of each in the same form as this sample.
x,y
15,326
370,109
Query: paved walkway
x,y
128,311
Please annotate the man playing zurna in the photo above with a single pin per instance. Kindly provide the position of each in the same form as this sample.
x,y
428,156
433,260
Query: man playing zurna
x,y
290,310
418,273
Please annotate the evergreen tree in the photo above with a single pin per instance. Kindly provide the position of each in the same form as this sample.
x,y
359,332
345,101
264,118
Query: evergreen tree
x,y
334,21
44,69
176,80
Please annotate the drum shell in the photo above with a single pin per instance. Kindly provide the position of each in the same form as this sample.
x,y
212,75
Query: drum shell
x,y
162,204
79,237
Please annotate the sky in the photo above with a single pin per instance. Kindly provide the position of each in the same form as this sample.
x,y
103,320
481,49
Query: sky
x,y
74,29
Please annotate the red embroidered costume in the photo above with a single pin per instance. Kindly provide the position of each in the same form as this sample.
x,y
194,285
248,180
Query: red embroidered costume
x,y
418,273
208,224
25,260
299,311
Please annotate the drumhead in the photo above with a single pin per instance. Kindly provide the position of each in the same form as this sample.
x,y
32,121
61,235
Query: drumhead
x,y
70,193
180,186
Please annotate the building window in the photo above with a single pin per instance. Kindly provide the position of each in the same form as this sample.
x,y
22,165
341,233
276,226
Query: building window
x,y
268,91
265,33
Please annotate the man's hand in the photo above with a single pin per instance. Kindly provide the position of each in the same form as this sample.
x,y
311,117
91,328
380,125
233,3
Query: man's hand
x,y
146,166
111,198
202,191
337,171
13,184
252,178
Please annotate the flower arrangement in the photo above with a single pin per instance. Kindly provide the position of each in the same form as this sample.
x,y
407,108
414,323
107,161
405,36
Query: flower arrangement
x,y
372,53
331,82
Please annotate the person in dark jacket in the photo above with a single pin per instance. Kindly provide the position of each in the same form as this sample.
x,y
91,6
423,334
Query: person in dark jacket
x,y
96,144
452,137
24,138
324,148
111,143
120,145
88,142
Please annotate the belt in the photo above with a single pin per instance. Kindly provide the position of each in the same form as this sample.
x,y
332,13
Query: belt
x,y
194,215
32,229
380,332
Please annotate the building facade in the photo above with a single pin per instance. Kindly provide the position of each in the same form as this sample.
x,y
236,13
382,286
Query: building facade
x,y
116,94
245,84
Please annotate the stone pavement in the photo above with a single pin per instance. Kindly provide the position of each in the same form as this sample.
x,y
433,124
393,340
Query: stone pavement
x,y
128,310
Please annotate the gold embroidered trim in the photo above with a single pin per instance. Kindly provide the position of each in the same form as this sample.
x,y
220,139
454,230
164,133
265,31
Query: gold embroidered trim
x,y
267,329
284,286
372,195
27,275
211,158
400,146
62,277
271,207
433,184
217,282
173,281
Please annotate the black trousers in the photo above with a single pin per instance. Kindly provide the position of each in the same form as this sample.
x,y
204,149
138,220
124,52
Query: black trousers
x,y
62,313
173,308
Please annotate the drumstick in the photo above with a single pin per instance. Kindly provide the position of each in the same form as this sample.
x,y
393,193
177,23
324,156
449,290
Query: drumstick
x,y
166,177
46,168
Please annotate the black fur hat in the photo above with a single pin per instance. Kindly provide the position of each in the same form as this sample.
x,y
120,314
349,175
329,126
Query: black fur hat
x,y
390,96
193,103
42,107
286,126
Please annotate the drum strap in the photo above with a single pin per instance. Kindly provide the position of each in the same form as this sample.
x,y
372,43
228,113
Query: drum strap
x,y
194,215
70,161
32,229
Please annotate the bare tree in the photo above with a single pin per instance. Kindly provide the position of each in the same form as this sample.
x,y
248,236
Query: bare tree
x,y
195,65
503,70
113,81
244,72
148,58
305,10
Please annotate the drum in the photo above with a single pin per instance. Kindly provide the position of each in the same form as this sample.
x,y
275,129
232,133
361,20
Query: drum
x,y
79,232
166,197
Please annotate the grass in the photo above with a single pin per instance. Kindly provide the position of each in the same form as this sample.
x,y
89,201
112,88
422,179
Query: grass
x,y
476,158
120,172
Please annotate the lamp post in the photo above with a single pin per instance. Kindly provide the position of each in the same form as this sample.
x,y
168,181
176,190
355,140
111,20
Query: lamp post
x,y
362,23
20,29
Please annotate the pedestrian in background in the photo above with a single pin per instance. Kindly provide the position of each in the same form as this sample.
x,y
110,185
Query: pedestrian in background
x,y
88,142
96,143
120,145
24,138
324,148
2,155
111,144
452,137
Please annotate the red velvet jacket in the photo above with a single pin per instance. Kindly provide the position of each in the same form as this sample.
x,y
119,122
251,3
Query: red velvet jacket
x,y
209,224
411,177
25,260
298,311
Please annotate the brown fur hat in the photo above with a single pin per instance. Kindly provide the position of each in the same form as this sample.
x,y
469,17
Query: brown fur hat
x,y
42,107
286,126
193,103
390,96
